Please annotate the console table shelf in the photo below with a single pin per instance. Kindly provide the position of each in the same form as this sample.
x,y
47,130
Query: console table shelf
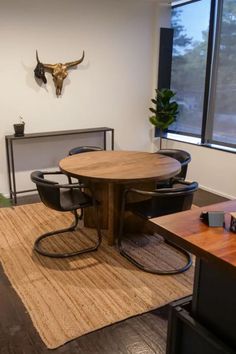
x,y
10,139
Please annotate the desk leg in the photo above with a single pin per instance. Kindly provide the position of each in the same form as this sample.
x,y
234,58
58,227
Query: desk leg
x,y
9,168
112,139
13,172
104,140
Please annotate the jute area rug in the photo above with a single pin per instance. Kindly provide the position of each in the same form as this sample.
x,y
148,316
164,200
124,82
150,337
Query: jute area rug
x,y
67,298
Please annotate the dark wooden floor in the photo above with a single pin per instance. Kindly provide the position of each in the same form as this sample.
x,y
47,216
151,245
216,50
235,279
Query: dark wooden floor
x,y
202,198
144,334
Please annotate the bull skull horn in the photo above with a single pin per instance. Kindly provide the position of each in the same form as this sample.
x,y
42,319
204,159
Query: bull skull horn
x,y
37,57
76,62
39,71
46,66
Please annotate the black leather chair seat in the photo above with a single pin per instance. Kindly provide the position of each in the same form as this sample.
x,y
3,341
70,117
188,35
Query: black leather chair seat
x,y
76,200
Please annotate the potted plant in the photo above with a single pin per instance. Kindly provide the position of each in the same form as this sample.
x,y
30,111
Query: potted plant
x,y
4,202
19,127
165,110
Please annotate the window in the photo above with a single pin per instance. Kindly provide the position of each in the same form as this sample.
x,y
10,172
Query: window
x,y
224,99
204,70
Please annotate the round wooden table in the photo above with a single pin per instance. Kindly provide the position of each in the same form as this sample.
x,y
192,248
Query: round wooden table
x,y
110,171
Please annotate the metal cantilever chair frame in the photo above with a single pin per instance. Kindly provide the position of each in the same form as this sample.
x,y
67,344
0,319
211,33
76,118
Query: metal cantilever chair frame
x,y
71,186
162,192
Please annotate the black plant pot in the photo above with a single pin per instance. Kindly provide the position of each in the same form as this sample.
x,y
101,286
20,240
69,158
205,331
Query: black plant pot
x,y
19,129
161,133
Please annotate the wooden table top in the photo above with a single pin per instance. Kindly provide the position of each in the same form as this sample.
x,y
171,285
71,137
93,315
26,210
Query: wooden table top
x,y
120,166
215,244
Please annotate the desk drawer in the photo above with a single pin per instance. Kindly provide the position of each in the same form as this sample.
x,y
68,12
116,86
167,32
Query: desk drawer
x,y
186,335
214,300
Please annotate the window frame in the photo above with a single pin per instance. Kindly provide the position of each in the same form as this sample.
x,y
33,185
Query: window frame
x,y
206,136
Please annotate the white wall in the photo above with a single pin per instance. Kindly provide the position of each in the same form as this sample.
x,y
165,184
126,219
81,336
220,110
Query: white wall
x,y
112,87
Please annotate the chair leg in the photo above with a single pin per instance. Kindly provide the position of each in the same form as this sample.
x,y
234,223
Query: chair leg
x,y
140,265
37,244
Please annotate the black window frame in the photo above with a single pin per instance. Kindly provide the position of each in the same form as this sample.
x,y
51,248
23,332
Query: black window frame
x,y
207,121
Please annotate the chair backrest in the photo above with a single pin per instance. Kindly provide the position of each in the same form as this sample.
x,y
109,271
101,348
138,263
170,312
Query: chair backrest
x,y
164,201
182,156
173,200
49,191
81,149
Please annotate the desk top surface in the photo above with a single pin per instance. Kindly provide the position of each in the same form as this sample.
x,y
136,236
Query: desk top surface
x,y
215,244
58,133
120,166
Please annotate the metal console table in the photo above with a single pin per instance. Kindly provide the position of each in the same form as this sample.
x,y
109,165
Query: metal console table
x,y
9,140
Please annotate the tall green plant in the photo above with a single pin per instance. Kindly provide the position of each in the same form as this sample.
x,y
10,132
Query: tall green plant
x,y
165,110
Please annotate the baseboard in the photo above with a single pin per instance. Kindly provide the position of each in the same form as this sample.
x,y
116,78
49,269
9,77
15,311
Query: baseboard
x,y
211,190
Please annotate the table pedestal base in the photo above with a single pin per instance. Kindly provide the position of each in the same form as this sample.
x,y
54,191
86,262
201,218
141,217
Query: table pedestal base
x,y
110,196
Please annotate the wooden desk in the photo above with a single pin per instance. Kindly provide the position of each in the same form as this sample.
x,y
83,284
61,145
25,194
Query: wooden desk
x,y
110,171
214,295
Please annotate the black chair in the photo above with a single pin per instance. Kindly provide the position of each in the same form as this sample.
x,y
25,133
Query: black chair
x,y
81,149
159,202
182,156
64,198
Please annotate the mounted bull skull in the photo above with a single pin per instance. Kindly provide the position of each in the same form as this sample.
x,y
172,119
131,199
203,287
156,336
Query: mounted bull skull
x,y
59,71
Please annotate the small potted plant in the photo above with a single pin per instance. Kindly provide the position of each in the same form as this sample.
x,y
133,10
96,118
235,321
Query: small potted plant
x,y
19,127
4,202
165,110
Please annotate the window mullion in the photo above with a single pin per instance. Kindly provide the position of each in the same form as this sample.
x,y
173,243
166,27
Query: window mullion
x,y
208,70
210,105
